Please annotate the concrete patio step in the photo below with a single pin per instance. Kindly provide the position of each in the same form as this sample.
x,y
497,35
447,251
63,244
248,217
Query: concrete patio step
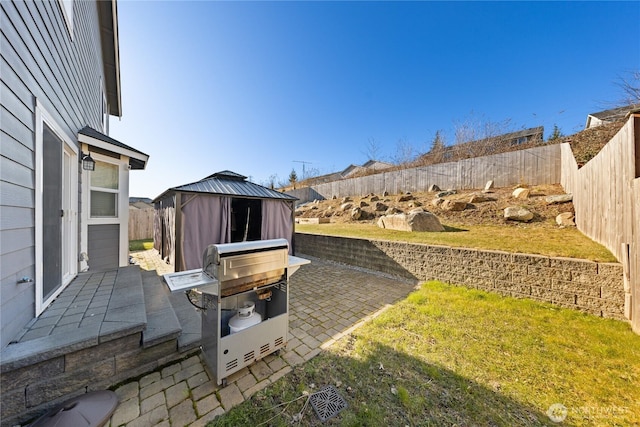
x,y
190,321
162,322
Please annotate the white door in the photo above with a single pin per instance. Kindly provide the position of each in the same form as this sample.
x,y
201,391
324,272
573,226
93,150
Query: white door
x,y
70,215
56,214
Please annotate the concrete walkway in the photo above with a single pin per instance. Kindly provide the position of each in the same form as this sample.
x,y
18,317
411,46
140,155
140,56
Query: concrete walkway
x,y
327,301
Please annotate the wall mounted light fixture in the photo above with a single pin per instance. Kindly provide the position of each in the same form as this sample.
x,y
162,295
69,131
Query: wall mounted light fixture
x,y
88,163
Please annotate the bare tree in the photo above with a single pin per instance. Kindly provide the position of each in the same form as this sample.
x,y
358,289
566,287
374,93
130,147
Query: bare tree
x,y
405,153
629,85
272,181
476,136
373,149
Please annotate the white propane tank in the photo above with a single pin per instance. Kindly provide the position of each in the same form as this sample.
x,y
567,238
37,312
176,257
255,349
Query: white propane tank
x,y
246,317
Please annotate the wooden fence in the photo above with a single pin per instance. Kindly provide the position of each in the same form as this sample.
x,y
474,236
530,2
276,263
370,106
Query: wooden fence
x,y
140,224
606,198
606,192
534,166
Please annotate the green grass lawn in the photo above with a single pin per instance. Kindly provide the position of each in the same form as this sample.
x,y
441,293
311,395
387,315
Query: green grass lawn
x,y
140,245
449,355
567,242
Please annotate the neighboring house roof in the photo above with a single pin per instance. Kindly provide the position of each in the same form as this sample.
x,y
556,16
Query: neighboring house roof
x,y
141,205
108,16
611,115
349,170
227,183
376,164
140,199
88,135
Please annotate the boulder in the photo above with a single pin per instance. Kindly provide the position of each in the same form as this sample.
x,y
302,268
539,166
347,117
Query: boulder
x,y
566,219
345,199
437,202
414,204
516,213
334,197
374,198
385,193
362,204
454,205
405,197
356,213
392,210
345,206
488,186
379,207
417,221
433,188
521,193
480,198
416,210
446,193
559,198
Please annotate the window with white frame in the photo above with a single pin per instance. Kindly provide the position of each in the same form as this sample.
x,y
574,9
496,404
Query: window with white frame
x,y
104,185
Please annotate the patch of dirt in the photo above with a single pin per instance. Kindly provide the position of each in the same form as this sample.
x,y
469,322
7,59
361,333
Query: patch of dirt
x,y
479,213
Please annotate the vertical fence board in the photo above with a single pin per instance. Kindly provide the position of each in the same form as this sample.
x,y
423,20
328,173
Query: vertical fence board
x,y
141,224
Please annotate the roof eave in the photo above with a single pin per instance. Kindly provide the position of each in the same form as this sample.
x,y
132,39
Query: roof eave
x,y
108,16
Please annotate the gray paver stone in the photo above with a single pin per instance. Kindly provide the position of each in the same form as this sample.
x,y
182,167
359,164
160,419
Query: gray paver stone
x,y
260,370
125,412
152,402
148,379
207,404
246,382
198,379
170,370
204,390
182,414
127,391
230,396
190,361
293,358
155,387
177,393
188,372
152,418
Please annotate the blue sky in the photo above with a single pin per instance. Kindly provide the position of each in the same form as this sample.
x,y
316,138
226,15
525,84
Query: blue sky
x,y
255,87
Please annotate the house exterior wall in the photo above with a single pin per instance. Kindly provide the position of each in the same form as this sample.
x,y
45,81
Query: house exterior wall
x,y
46,71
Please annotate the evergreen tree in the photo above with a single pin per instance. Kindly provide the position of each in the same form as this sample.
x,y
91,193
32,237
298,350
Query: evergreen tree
x,y
437,145
556,134
293,178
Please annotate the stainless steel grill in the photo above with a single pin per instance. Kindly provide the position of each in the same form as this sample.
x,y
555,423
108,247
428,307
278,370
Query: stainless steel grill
x,y
235,279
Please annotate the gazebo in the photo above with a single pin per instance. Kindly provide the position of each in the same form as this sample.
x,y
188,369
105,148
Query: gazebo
x,y
221,208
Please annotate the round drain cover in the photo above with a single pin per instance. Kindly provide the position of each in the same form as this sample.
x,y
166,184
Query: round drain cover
x,y
90,410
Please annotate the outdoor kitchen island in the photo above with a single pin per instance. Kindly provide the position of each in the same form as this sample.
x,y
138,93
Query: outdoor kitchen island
x,y
242,292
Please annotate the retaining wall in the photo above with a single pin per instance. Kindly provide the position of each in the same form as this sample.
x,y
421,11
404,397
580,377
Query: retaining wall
x,y
595,288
